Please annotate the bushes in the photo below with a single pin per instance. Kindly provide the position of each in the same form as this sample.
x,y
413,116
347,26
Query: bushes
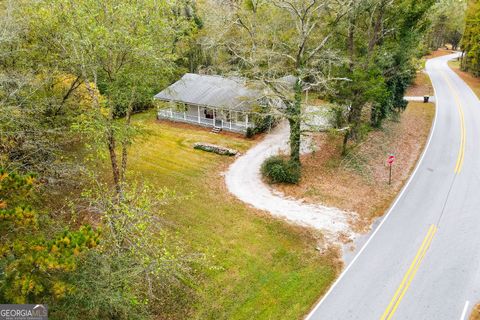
x,y
280,170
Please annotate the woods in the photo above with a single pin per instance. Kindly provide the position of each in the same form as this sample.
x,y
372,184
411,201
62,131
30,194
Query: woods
x,y
70,77
84,232
471,39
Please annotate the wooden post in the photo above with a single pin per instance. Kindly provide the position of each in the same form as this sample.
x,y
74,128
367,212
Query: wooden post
x,y
214,123
390,175
246,120
198,113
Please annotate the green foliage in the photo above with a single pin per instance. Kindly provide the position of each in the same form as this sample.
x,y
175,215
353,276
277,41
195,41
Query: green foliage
x,y
381,63
103,290
447,21
471,39
263,120
277,169
33,265
337,115
142,268
250,132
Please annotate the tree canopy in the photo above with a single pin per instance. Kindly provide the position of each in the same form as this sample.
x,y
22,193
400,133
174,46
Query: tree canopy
x,y
471,39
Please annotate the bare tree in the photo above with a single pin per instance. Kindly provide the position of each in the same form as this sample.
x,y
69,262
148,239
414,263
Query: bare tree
x,y
283,44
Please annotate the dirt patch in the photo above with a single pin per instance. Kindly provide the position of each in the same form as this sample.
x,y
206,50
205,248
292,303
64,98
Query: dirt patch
x,y
470,79
359,181
421,87
475,315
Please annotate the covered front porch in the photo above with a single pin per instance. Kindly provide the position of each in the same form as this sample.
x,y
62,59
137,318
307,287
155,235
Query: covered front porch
x,y
235,121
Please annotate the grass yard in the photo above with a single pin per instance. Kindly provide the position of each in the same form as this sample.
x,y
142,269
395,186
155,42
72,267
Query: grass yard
x,y
471,80
265,268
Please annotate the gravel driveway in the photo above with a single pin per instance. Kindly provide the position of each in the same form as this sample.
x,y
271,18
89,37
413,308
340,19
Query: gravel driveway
x,y
243,179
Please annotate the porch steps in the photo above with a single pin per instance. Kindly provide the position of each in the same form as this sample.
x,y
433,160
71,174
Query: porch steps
x,y
216,129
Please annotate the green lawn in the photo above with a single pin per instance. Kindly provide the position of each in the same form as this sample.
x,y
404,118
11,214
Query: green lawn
x,y
267,269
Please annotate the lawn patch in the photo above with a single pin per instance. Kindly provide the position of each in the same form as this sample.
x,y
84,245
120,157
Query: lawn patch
x,y
263,268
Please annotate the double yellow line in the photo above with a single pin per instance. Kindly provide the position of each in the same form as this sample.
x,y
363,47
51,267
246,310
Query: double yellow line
x,y
407,279
461,152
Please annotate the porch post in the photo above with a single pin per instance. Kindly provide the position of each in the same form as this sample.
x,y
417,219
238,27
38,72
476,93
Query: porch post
x,y
198,113
230,118
214,117
246,120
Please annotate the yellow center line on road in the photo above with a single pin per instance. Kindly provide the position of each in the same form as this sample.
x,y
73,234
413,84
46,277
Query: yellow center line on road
x,y
461,152
407,279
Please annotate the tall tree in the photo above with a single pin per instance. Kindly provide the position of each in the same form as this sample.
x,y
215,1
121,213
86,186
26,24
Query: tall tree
x,y
471,38
33,264
447,19
382,37
121,52
284,45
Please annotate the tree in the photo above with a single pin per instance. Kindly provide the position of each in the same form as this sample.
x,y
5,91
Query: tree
x,y
381,41
471,38
140,269
447,19
39,103
33,266
121,53
283,45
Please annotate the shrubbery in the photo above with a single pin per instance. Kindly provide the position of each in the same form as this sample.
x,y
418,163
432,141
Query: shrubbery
x,y
277,169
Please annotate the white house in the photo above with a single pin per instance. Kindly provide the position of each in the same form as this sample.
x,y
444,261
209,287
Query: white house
x,y
211,101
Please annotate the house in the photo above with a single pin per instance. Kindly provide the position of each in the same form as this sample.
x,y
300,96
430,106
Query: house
x,y
212,101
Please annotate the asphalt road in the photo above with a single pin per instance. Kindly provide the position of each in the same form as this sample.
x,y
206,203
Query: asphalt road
x,y
423,260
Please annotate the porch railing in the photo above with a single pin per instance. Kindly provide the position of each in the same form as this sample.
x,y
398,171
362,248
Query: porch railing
x,y
188,118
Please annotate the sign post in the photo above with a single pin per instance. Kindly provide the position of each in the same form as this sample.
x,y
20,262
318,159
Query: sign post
x,y
390,161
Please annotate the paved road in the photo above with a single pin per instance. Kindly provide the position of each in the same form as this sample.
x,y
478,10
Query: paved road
x,y
423,260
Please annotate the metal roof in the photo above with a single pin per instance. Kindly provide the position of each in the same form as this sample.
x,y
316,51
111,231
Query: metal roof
x,y
212,91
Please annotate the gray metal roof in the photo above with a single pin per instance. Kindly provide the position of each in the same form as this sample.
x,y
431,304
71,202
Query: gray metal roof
x,y
213,91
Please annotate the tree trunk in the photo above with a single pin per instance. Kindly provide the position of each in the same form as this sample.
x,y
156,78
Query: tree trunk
x,y
113,160
376,30
351,43
354,116
125,147
295,121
